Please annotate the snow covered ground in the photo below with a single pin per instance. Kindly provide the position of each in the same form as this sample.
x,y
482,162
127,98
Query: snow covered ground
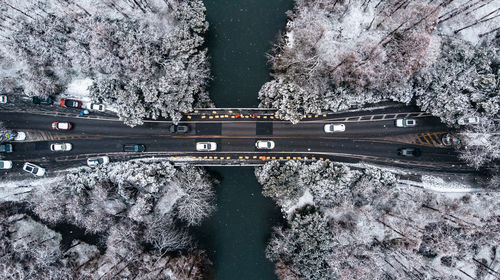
x,y
19,190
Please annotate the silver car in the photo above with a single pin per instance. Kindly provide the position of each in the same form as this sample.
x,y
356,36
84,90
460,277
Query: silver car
x,y
95,161
331,127
3,99
405,123
33,169
264,144
56,147
206,146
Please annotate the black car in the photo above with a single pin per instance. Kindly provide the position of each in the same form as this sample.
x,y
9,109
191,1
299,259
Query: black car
x,y
134,148
409,152
179,128
43,100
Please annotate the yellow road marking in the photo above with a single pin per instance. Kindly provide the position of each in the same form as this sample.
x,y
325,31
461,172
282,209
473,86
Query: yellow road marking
x,y
437,138
425,138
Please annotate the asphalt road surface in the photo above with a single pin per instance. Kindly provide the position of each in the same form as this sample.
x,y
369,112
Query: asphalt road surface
x,y
370,136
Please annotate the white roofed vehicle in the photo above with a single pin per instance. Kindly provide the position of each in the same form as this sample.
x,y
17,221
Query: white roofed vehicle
x,y
5,164
34,169
61,125
3,99
96,161
57,147
264,144
206,146
405,122
96,107
331,127
20,136
468,120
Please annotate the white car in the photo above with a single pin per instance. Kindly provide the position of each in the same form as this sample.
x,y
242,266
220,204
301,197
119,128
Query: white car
x,y
34,169
264,144
468,120
5,164
95,161
206,146
331,127
20,136
3,99
61,147
405,122
96,107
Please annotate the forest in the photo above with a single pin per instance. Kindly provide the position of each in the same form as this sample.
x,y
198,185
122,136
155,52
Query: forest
x,y
351,223
136,216
440,55
146,58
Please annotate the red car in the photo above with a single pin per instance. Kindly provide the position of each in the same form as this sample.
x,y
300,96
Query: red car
x,y
70,103
61,125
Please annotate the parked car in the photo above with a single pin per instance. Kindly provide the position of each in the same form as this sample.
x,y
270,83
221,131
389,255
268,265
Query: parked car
x,y
61,125
6,148
43,100
405,122
206,146
134,148
468,120
96,107
5,164
3,99
331,127
70,103
20,136
95,161
33,169
264,144
409,152
61,147
179,129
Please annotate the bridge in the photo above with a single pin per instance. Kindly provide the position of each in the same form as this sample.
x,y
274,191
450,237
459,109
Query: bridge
x,y
370,136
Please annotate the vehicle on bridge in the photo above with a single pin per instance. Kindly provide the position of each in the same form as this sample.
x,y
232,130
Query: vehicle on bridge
x,y
5,164
70,103
331,127
405,122
409,152
6,148
468,120
134,148
96,161
97,107
264,144
3,99
33,169
56,147
61,125
179,128
43,100
20,136
206,146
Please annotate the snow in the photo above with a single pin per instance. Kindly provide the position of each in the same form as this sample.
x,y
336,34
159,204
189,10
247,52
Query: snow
x,y
305,199
18,190
78,89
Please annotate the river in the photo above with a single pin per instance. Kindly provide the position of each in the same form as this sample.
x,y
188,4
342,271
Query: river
x,y
240,34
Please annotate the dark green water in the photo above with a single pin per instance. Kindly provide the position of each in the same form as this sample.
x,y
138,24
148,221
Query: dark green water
x,y
240,34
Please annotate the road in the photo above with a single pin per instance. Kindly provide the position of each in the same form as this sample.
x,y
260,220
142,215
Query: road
x,y
370,136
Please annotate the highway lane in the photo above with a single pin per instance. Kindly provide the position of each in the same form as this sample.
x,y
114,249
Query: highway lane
x,y
368,137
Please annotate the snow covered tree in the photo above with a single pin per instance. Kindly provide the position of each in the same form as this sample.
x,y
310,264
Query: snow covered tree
x,y
145,57
362,225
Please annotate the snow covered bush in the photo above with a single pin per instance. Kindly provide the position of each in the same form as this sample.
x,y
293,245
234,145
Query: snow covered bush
x,y
154,194
145,58
363,225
